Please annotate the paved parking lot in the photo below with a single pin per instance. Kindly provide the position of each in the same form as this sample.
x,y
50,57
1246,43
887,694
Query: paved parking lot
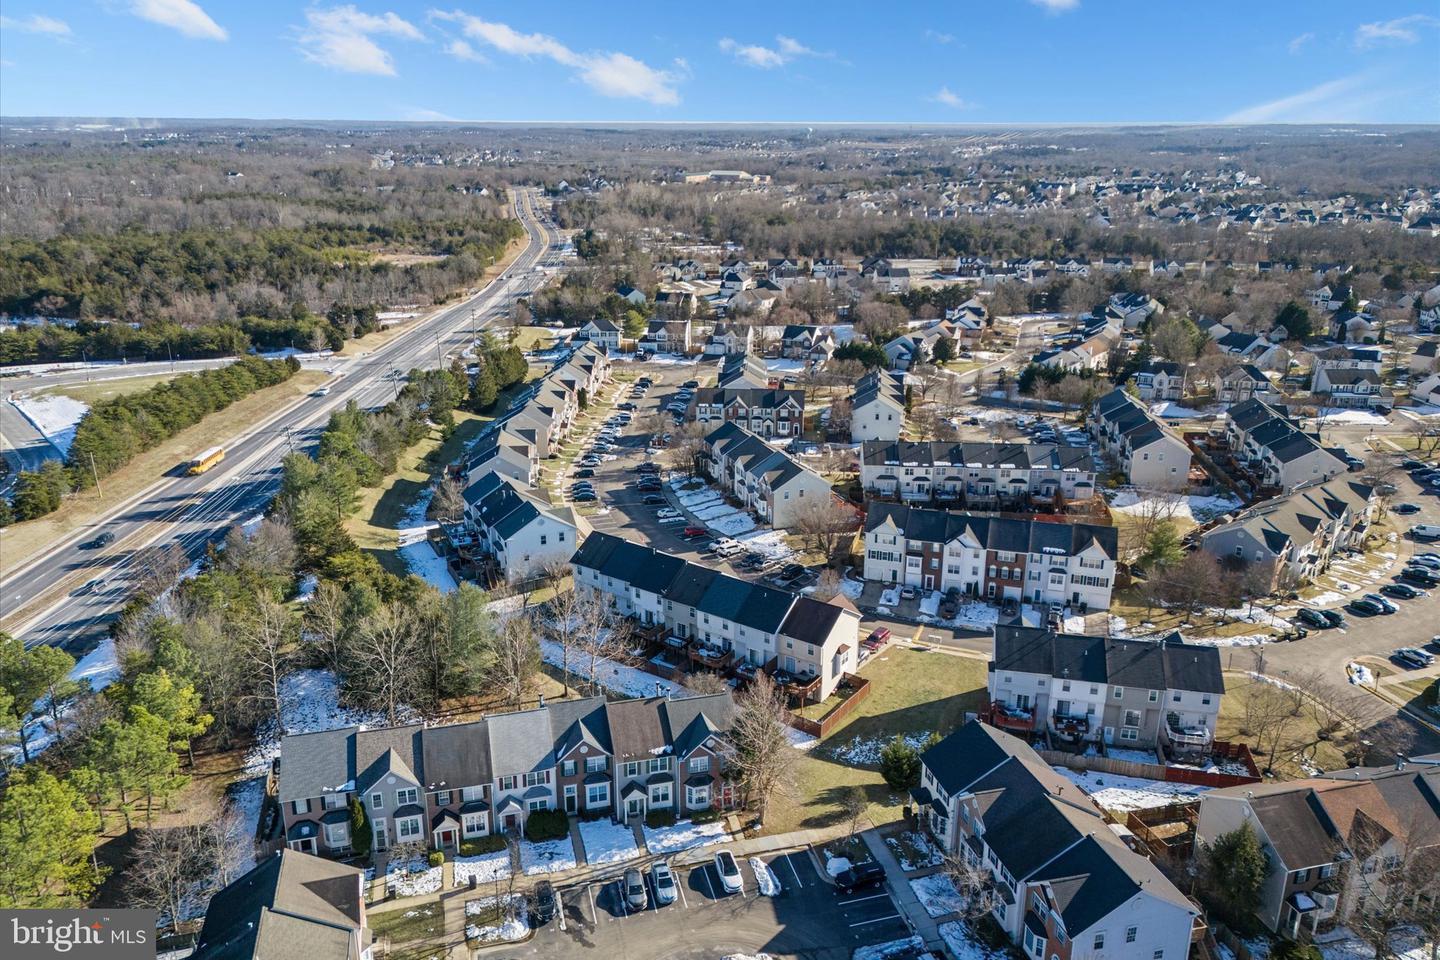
x,y
806,920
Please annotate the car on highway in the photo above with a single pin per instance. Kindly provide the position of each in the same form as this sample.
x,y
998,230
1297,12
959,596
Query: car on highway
x,y
1365,607
1405,509
1412,658
88,588
633,884
320,392
1402,590
103,540
728,871
1385,605
545,903
1312,618
859,877
664,880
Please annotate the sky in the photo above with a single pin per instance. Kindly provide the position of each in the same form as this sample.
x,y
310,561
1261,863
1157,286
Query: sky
x,y
1003,61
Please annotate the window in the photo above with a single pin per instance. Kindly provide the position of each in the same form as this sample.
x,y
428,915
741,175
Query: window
x,y
632,769
507,783
1132,718
472,793
1205,699
1154,696
442,798
1129,733
337,834
334,801
405,795
597,795
697,798
542,539
1158,955
1099,942
594,764
377,801
537,778
567,768
659,764
1175,696
1131,933
473,824
407,828
699,764
1119,692
301,806
1037,900
660,795
1302,875
534,805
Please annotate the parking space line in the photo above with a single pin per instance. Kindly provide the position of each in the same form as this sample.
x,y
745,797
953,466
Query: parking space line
x,y
795,873
594,913
681,887
620,899
705,875
862,923
876,896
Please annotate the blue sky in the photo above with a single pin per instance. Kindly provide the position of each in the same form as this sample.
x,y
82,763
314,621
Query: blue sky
x,y
1006,61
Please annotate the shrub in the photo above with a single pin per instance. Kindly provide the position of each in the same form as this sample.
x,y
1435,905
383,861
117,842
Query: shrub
x,y
1431,696
708,815
1290,950
660,818
479,845
900,765
436,858
360,831
547,825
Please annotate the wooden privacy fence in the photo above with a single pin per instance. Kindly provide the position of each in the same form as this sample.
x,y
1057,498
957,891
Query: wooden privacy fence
x,y
1157,771
823,726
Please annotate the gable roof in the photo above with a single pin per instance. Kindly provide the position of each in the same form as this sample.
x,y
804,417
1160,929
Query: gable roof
x,y
291,906
1165,664
1011,534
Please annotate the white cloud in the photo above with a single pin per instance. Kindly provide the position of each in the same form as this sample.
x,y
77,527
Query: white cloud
x,y
1399,30
461,50
422,115
182,15
1351,99
939,36
37,23
608,73
753,54
950,99
1057,6
1299,42
341,38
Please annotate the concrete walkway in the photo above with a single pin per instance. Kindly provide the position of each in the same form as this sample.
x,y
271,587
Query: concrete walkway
x,y
921,922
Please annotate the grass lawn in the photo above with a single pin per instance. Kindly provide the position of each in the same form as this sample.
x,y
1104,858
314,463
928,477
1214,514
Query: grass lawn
x,y
412,934
537,338
1300,740
1129,605
98,390
20,541
911,692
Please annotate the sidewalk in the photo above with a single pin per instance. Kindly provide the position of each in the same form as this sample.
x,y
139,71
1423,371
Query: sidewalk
x,y
905,900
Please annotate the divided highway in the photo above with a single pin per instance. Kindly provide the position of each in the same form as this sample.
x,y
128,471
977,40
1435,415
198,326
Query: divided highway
x,y
192,511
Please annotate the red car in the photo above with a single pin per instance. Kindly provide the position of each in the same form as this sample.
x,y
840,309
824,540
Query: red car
x,y
877,638
694,531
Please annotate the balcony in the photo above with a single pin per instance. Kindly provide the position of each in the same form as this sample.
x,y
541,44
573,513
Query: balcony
x,y
711,658
1003,715
1187,738
1069,726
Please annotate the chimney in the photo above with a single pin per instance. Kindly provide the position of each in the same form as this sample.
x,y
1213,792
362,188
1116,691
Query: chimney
x,y
659,689
1400,761
542,700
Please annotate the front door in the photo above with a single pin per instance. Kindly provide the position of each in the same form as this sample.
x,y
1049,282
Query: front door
x,y
304,846
379,825
789,664
445,838
570,798
635,807
511,822
929,581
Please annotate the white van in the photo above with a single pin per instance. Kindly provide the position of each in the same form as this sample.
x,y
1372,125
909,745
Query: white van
x,y
1425,531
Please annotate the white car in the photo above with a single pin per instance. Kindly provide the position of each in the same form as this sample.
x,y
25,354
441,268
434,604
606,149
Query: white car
x,y
667,512
728,871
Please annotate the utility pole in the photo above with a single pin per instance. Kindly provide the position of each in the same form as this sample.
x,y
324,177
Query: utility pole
x,y
96,474
288,441
439,358
171,354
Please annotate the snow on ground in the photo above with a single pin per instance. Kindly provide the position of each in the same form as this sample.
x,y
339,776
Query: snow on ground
x,y
885,951
1341,943
916,845
937,894
785,366
685,835
548,856
1129,793
976,616
852,588
865,751
515,925
425,563
890,597
618,678
1197,509
962,946
1170,410
930,604
1073,624
55,415
733,524
1360,675
309,702
800,740
412,878
98,667
306,588
765,878
485,868
1345,415
607,841
1133,756
770,543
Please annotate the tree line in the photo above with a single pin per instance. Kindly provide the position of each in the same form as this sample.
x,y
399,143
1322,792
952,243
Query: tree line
x,y
116,431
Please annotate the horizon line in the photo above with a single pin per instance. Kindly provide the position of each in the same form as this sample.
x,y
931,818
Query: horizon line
x,y
5,118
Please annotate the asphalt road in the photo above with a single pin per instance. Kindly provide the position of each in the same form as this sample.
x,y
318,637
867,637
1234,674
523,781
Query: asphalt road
x,y
192,511
807,919
23,447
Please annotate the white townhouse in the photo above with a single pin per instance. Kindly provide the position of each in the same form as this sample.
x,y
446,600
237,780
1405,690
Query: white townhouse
x,y
1159,380
877,407
1149,455
770,482
1275,449
1242,382
602,331
524,534
1066,885
1161,693
990,557
980,475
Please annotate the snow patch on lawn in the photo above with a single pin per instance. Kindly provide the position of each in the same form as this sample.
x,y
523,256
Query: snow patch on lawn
x,y
618,678
1129,793
685,835
56,416
893,948
548,856
412,878
765,878
962,946
1196,509
309,702
914,845
485,868
1360,675
800,740
937,894
1345,415
865,751
515,926
607,842
422,560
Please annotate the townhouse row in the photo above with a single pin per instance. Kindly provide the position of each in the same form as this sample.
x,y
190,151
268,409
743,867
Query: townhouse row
x,y
995,558
1142,446
877,407
728,620
1131,693
979,475
438,786
1273,447
770,482
1061,881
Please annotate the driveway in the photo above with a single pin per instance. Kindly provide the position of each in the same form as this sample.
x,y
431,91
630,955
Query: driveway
x,y
806,920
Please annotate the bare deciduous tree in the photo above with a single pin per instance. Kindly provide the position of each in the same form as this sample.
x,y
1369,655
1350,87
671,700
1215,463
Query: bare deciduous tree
x,y
384,670
265,642
517,659
764,760
826,526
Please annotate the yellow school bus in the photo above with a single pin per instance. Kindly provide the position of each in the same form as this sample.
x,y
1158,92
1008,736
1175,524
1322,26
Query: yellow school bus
x,y
205,461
